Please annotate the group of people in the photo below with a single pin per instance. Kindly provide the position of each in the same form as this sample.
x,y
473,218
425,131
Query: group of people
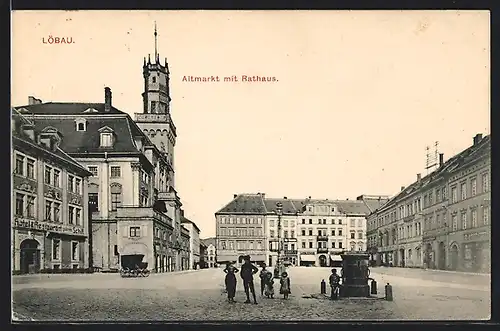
x,y
246,273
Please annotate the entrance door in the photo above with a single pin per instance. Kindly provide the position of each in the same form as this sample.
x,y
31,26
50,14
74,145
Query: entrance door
x,y
402,257
322,261
442,256
30,256
454,257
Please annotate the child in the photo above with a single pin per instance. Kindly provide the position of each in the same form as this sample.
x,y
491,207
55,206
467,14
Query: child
x,y
285,285
230,281
269,285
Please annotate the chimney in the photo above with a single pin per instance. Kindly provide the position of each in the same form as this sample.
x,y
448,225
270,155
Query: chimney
x,y
419,177
477,138
402,188
234,196
441,159
107,99
33,101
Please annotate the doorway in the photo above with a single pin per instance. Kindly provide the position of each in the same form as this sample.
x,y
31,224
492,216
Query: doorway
x,y
322,261
454,257
30,256
442,256
402,257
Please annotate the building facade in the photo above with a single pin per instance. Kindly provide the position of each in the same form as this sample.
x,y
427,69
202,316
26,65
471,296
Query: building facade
x,y
211,252
50,228
441,221
311,232
194,241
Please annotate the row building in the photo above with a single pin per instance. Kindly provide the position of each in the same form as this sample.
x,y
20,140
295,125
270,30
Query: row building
x,y
442,220
303,232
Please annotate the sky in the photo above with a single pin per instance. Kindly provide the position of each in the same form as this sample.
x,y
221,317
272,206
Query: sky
x,y
357,98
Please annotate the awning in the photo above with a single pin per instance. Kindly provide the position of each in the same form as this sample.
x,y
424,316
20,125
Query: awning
x,y
336,257
308,258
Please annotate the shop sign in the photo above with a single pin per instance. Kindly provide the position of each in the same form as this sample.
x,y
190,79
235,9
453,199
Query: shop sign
x,y
44,226
474,235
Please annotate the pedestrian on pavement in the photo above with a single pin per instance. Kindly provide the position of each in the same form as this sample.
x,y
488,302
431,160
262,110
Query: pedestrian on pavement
x,y
269,285
230,281
334,284
285,285
247,272
263,278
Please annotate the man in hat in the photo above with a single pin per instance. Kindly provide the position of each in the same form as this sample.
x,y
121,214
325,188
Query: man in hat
x,y
247,271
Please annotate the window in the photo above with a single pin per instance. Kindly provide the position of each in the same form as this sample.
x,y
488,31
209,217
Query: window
x,y
310,221
81,127
310,244
271,233
463,190
464,220
474,218
19,204
48,210
486,183
78,216
71,214
48,172
303,221
353,246
93,170
116,196
340,222
135,231
333,244
154,79
106,140
340,232
30,168
333,232
473,186
19,165
454,221
78,185
310,232
454,196
303,232
71,183
94,200
271,223
360,235
74,251
353,235
57,212
360,222
57,180
30,208
486,215
285,223
340,244
292,234
56,249
80,124
353,223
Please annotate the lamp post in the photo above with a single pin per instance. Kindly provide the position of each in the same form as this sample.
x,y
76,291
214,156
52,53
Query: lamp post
x,y
279,211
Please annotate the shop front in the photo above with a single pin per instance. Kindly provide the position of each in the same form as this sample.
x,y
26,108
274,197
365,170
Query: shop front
x,y
307,260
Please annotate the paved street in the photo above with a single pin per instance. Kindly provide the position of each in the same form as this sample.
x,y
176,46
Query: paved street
x,y
198,295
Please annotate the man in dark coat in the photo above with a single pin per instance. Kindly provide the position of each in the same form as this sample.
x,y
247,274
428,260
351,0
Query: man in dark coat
x,y
247,271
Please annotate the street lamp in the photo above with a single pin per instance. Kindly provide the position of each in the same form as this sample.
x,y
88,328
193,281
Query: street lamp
x,y
279,211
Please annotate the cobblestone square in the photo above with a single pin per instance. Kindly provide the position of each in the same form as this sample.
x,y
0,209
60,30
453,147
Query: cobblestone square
x,y
199,296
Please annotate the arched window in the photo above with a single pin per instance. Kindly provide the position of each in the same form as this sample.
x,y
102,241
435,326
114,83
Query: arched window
x,y
116,196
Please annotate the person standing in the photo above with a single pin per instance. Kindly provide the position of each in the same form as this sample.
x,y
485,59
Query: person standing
x,y
230,281
285,285
263,279
247,272
269,285
334,284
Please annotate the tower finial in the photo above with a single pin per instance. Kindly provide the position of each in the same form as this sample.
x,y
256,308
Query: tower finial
x,y
156,43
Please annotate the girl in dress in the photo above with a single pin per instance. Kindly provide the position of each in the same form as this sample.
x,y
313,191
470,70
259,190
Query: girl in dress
x,y
285,285
269,291
230,281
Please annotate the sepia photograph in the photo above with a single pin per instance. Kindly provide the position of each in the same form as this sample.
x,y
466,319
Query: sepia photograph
x,y
239,166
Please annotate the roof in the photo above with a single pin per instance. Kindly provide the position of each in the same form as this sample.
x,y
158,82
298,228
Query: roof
x,y
258,204
208,241
185,220
19,138
483,147
49,108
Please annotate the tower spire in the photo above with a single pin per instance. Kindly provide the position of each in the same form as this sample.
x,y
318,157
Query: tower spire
x,y
156,43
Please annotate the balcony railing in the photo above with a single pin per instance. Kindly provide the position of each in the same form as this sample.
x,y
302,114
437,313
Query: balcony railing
x,y
322,238
322,250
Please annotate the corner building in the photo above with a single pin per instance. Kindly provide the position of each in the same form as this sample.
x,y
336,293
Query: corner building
x,y
50,228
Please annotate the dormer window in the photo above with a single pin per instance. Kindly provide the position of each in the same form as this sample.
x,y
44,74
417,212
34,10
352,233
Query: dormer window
x,y
107,136
81,124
